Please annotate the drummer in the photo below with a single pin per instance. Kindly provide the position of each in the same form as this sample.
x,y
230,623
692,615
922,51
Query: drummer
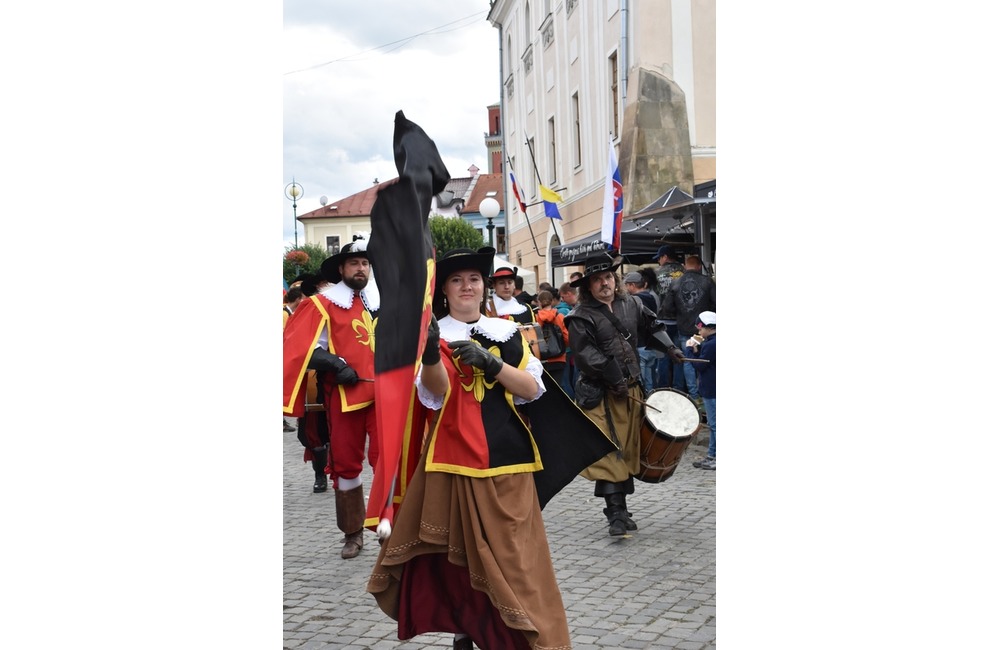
x,y
603,333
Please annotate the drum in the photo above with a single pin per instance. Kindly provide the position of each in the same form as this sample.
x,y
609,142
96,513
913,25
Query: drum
x,y
532,333
668,427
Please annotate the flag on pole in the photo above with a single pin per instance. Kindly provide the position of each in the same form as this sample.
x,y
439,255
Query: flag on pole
x,y
549,199
517,194
614,203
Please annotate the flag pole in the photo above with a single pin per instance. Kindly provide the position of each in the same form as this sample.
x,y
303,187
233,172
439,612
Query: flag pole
x,y
526,218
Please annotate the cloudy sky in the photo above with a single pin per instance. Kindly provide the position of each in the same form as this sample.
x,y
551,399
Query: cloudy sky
x,y
347,69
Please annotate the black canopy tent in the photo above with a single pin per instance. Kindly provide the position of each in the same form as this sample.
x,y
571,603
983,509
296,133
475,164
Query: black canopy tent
x,y
676,218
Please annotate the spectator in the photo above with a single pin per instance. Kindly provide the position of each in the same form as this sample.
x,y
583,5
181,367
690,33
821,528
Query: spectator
x,y
568,301
635,284
669,374
547,313
689,295
703,345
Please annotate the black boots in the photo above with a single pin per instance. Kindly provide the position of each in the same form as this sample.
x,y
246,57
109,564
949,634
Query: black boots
x,y
619,518
319,467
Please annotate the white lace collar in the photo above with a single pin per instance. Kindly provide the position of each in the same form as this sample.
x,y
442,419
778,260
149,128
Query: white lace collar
x,y
495,329
343,296
508,307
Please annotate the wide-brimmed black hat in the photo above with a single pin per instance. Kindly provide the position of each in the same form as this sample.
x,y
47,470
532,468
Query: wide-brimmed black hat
x,y
460,259
307,282
597,264
330,268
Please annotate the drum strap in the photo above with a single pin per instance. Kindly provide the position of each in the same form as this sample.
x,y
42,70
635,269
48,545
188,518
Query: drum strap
x,y
611,426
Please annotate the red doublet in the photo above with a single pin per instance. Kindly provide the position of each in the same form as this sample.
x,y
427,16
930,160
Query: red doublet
x,y
351,336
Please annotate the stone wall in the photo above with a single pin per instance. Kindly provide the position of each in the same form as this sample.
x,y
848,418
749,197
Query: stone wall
x,y
655,150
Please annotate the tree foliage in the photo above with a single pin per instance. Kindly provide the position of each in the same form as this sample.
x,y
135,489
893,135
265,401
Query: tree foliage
x,y
453,232
316,252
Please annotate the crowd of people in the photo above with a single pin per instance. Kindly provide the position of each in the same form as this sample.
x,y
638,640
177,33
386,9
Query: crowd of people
x,y
467,551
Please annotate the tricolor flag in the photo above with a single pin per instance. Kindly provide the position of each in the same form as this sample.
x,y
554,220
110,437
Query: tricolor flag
x,y
614,203
549,199
517,195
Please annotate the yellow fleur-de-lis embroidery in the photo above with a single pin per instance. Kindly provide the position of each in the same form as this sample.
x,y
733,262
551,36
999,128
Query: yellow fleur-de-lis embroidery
x,y
364,329
478,385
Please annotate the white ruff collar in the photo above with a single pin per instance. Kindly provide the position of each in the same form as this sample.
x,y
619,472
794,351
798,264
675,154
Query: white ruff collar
x,y
343,296
495,329
508,307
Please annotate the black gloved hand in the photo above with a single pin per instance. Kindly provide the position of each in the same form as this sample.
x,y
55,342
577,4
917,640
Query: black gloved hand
x,y
676,355
432,353
335,366
619,390
477,356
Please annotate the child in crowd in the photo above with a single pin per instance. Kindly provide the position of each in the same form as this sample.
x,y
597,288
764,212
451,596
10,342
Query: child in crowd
x,y
703,345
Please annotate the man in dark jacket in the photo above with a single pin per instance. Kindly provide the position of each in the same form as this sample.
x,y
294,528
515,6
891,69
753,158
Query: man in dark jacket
x,y
689,295
603,332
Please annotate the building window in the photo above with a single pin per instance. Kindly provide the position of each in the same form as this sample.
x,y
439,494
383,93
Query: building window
x,y
500,235
527,24
577,152
613,69
333,244
552,150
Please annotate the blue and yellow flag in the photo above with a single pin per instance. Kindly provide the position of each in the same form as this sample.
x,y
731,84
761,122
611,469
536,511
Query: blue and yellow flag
x,y
549,199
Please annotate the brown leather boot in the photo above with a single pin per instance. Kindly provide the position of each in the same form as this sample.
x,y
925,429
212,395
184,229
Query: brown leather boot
x,y
351,520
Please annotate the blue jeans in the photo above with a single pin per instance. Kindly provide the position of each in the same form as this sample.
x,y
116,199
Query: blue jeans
x,y
684,372
647,368
709,403
568,377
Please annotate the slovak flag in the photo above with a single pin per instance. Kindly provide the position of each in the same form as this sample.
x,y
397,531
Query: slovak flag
x,y
517,194
614,203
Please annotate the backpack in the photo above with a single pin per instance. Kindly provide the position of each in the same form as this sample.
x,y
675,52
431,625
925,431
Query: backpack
x,y
554,344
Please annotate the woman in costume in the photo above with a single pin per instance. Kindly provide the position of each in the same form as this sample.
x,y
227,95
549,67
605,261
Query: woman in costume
x,y
468,553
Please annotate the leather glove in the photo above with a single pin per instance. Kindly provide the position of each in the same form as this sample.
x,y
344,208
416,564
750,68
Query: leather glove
x,y
432,353
675,354
477,356
335,366
619,390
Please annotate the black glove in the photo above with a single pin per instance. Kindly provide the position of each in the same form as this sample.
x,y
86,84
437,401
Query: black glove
x,y
477,356
342,373
432,353
676,355
619,390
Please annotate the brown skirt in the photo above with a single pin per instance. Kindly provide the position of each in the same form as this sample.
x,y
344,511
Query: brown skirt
x,y
470,555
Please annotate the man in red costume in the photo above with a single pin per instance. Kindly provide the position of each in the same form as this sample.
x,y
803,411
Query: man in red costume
x,y
333,332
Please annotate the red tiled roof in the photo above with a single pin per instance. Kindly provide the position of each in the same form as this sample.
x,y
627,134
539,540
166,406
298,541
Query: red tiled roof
x,y
355,205
485,183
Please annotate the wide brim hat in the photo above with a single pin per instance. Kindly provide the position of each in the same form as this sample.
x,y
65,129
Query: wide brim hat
x,y
597,264
330,268
504,272
461,259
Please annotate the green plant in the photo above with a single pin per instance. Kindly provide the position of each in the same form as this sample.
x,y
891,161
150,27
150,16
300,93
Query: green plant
x,y
314,253
453,232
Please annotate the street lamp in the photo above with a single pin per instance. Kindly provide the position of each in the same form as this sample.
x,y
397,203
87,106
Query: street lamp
x,y
489,208
293,191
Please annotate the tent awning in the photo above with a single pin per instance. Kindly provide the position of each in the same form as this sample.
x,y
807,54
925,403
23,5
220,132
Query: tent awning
x,y
642,233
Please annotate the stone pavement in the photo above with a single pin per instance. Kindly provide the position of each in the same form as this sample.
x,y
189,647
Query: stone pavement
x,y
654,588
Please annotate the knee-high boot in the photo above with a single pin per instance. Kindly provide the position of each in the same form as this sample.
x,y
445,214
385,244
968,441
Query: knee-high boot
x,y
351,520
319,467
616,513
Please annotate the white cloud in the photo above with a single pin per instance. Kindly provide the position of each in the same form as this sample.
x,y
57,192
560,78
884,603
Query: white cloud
x,y
342,90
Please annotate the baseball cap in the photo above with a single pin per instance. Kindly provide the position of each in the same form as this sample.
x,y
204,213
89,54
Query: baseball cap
x,y
664,250
706,319
633,278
